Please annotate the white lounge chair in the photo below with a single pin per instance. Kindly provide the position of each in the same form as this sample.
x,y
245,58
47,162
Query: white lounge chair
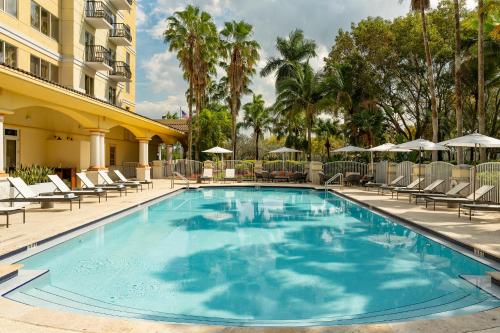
x,y
393,183
104,175
412,185
470,199
124,179
87,183
453,192
208,174
230,175
432,187
62,188
27,195
7,211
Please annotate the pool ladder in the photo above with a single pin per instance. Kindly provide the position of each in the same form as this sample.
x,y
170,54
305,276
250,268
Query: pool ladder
x,y
339,176
177,174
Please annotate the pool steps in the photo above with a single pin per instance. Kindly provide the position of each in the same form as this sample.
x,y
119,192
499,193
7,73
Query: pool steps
x,y
8,272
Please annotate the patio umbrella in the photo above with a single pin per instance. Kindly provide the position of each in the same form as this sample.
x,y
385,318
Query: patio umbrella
x,y
218,150
385,148
283,151
420,145
349,149
475,141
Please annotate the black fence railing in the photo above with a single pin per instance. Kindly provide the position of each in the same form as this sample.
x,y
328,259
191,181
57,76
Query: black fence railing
x,y
121,30
98,53
122,69
98,9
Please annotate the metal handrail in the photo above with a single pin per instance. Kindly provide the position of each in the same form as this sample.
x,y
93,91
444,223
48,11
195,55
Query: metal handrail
x,y
97,53
121,68
331,180
181,177
98,9
121,30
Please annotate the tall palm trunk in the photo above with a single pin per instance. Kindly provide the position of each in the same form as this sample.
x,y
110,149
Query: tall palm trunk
x,y
257,134
458,82
309,132
234,115
430,79
190,121
197,150
481,114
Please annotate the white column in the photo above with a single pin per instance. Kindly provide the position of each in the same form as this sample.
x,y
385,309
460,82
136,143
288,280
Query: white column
x,y
95,150
159,151
2,162
143,153
102,149
170,150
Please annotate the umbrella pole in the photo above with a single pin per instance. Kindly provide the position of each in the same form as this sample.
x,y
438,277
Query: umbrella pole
x,y
419,167
474,175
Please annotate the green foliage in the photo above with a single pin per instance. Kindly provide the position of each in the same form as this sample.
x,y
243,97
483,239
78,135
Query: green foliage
x,y
169,115
34,174
215,126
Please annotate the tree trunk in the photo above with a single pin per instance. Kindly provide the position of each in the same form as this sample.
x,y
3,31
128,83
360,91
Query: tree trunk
x,y
190,121
234,115
481,114
309,136
458,82
257,145
198,127
430,79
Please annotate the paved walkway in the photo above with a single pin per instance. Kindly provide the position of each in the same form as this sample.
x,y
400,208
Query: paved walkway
x,y
482,232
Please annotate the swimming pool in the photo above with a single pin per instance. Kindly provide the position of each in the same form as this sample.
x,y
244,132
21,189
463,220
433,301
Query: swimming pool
x,y
255,257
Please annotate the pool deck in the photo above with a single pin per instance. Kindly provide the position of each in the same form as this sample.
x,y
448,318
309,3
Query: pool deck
x,y
483,233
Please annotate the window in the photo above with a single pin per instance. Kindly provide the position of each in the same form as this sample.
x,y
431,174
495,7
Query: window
x,y
44,69
8,53
43,21
112,95
89,85
112,155
127,84
9,6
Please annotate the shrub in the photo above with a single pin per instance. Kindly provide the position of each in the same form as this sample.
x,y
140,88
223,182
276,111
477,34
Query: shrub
x,y
34,174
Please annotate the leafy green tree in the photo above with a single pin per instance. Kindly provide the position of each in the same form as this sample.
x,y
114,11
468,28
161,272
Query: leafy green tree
x,y
241,54
324,129
293,50
170,115
258,118
193,35
216,127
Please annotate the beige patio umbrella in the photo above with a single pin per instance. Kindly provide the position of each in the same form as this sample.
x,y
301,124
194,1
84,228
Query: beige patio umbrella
x,y
283,151
386,147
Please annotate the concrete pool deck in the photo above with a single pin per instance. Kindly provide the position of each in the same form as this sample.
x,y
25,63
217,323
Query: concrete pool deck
x,y
483,232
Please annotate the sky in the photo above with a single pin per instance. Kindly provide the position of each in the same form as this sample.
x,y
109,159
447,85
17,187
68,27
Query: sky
x,y
160,85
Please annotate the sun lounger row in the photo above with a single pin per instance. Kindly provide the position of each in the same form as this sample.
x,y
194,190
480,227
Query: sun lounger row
x,y
62,193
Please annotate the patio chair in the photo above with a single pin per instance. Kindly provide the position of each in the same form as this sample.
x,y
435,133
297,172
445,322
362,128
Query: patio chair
x,y
299,177
412,185
393,183
453,192
478,195
104,175
62,188
230,175
7,211
27,194
87,184
352,178
431,188
479,207
208,175
124,180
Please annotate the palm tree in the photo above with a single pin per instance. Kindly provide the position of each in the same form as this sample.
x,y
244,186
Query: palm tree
x,y
303,92
257,117
481,114
324,129
242,54
458,80
421,6
293,50
193,35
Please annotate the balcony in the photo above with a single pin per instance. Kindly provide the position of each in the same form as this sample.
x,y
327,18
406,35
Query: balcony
x,y
121,72
98,15
122,4
98,57
120,34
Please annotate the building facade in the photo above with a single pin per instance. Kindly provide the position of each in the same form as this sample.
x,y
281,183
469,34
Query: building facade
x,y
67,87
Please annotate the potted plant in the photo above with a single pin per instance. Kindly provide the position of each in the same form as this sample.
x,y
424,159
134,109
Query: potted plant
x,y
36,177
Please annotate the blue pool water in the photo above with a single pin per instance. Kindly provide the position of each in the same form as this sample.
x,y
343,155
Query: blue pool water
x,y
256,257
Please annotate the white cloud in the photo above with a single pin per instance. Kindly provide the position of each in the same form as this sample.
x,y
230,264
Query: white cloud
x,y
155,110
140,16
163,72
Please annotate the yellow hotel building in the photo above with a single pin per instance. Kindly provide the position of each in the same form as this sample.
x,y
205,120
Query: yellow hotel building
x,y
67,87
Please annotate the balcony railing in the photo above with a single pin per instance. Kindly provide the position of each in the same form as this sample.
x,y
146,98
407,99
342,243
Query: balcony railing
x,y
121,71
98,56
121,32
98,10
122,4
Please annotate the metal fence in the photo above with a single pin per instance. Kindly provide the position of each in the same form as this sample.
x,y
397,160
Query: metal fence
x,y
488,174
243,169
437,170
290,166
343,167
188,168
129,169
405,169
